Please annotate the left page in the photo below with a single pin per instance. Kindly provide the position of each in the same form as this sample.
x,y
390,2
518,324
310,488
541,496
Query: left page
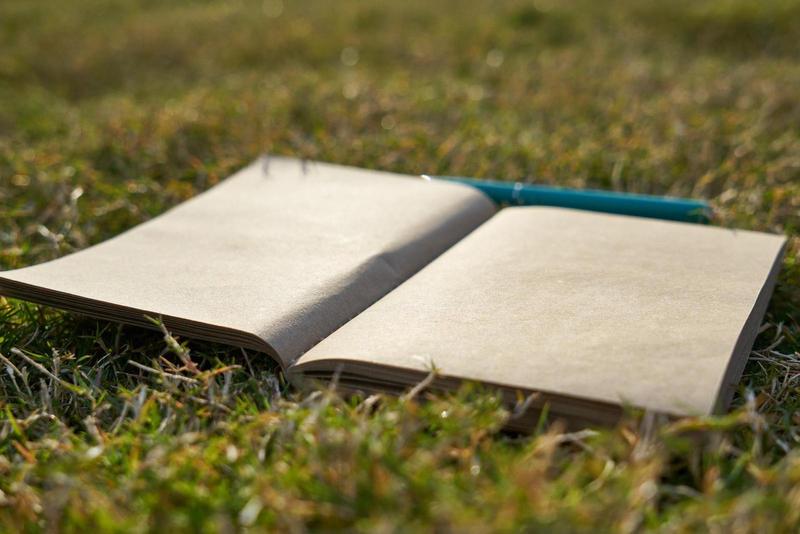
x,y
274,258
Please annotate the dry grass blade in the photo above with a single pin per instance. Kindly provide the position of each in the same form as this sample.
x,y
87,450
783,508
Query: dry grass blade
x,y
42,369
159,372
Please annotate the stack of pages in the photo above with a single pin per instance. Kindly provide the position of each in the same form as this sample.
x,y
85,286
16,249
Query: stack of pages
x,y
376,277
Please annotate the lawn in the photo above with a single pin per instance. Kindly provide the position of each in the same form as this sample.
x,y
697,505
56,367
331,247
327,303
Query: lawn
x,y
112,111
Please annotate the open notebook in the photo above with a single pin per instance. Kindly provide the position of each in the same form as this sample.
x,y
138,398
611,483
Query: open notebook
x,y
377,276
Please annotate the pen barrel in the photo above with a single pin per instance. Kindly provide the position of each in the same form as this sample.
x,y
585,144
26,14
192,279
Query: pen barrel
x,y
669,208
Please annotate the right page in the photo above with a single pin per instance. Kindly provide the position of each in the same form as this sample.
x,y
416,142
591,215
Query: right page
x,y
593,310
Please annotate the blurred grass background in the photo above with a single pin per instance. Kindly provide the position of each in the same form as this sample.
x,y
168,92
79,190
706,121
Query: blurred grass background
x,y
112,111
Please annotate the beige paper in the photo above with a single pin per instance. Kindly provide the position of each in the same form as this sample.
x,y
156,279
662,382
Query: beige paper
x,y
592,309
274,258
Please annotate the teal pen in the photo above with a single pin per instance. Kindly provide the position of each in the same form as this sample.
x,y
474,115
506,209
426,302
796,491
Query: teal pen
x,y
655,207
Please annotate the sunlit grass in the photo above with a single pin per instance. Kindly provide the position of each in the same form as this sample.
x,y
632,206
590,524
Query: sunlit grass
x,y
111,112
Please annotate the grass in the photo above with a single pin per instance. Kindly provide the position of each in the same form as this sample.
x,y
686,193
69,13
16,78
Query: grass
x,y
113,111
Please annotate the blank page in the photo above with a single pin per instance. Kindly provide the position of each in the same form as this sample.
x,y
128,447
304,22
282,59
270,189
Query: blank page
x,y
604,308
274,258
